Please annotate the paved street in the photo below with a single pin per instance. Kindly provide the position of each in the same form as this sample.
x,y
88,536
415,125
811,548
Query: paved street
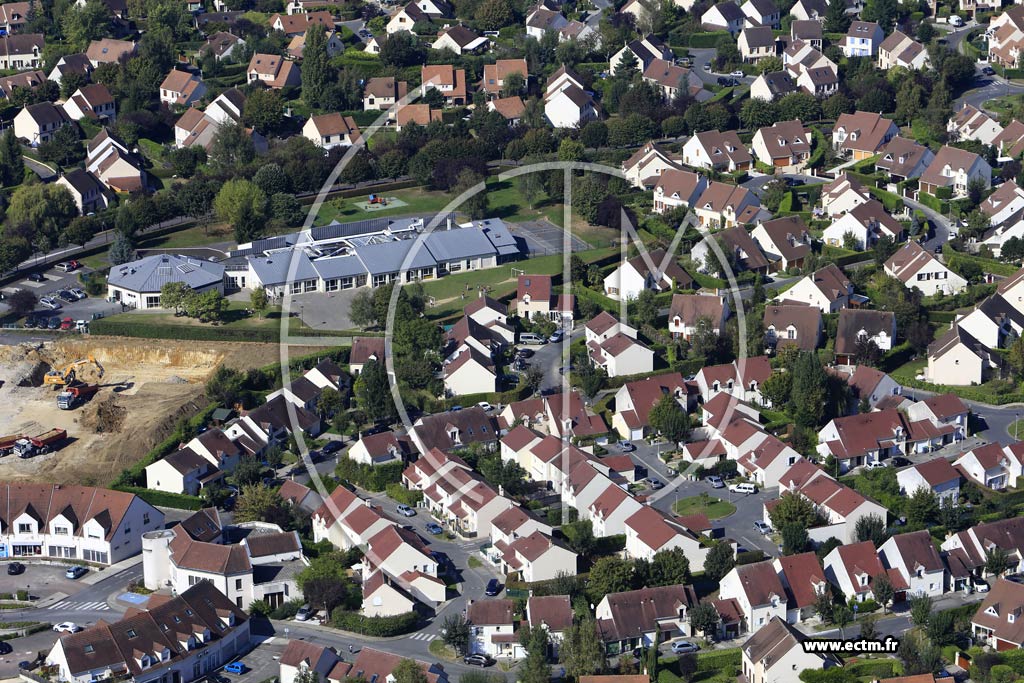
x,y
702,56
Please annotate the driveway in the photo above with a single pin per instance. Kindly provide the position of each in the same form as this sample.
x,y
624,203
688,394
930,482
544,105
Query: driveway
x,y
702,56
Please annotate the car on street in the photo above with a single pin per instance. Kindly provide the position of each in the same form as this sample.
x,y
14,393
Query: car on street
x,y
75,572
707,67
794,182
454,409
67,296
37,277
762,527
555,337
988,71
724,81
67,627
979,585
656,484
626,447
746,488
875,465
15,568
716,481
493,588
477,659
304,613
1015,578
332,447
485,405
5,648
434,528
235,668
67,266
682,647
51,303
900,461
53,323
406,511
525,353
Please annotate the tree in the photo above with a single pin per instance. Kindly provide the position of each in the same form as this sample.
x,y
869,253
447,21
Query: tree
x,y
774,192
824,605
794,539
975,190
259,301
920,609
45,209
869,627
570,150
21,302
645,308
882,589
921,508
810,382
941,628
871,528
330,403
64,147
920,656
12,166
794,509
456,633
225,386
121,250
272,179
264,110
401,49
704,619
926,32
173,295
670,419
841,617
373,392
997,561
883,12
669,567
535,669
475,205
777,388
232,147
836,18
241,203
82,25
257,503
719,562
529,187
627,66
757,113
493,15
361,310
409,670
581,651
610,574
316,75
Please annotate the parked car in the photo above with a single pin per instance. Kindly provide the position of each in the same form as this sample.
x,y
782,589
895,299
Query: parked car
x,y
900,461
875,465
988,71
15,568
724,81
477,659
53,323
67,627
67,266
67,324
434,528
493,588
979,585
555,337
743,487
707,67
762,527
67,296
716,481
406,511
656,484
37,277
235,668
566,368
794,182
626,446
737,74
525,353
5,648
51,303
511,380
78,292
304,613
485,405
75,572
682,647
332,447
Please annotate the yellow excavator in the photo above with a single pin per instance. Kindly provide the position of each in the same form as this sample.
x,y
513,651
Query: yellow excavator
x,y
66,375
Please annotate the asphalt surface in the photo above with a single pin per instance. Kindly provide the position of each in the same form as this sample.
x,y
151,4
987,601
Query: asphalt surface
x,y
702,56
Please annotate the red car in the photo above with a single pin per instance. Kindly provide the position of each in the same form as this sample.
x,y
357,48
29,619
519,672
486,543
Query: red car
x,y
67,324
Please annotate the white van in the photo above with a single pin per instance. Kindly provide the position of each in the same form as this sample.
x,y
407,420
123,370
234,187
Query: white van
x,y
530,338
744,488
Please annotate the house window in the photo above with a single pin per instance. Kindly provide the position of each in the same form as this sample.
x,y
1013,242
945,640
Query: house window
x,y
60,530
24,528
145,518
238,585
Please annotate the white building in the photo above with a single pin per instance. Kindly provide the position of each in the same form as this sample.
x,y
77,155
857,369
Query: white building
x,y
138,283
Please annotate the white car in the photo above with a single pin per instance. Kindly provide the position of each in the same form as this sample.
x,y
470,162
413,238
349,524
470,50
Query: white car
x,y
743,487
485,405
876,465
737,74
50,303
67,627
682,647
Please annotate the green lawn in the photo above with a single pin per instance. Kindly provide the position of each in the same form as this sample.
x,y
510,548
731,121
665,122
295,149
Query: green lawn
x,y
694,505
1016,428
417,201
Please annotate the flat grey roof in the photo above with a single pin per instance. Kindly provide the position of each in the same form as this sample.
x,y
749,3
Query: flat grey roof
x,y
334,267
274,269
460,243
389,257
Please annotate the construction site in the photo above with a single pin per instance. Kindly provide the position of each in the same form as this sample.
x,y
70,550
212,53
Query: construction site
x,y
81,410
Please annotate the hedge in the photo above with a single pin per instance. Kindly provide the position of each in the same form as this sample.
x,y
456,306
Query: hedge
x,y
378,627
369,477
874,668
163,498
714,660
707,39
401,494
890,201
932,202
146,330
941,317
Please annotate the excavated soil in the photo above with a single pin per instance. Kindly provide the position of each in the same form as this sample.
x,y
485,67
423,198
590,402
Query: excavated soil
x,y
147,387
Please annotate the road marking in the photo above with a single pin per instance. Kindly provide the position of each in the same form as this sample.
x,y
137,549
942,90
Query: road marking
x,y
423,636
80,606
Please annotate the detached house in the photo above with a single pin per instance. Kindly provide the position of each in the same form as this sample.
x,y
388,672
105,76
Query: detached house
x,y
644,168
970,123
998,622
903,159
37,123
675,188
721,151
759,592
786,242
492,628
655,270
672,80
722,205
93,102
854,568
688,310
865,224
736,240
495,75
566,103
328,131
959,359
181,88
762,13
843,194
828,290
620,355
21,51
108,50
534,296
792,325
862,40
899,49
914,556
383,92
856,325
85,189
937,476
644,617
641,53
914,266
786,146
756,43
634,401
807,30
460,40
451,82
776,651
725,16
955,168
862,134
773,85
804,580
273,71
987,466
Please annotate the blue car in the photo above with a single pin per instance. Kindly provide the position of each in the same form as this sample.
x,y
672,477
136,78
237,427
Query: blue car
x,y
434,528
235,668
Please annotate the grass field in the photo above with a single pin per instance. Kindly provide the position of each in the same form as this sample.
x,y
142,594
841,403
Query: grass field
x,y
695,505
235,318
416,201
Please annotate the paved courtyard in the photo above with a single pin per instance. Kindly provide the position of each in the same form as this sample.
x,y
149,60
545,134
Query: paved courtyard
x,y
543,237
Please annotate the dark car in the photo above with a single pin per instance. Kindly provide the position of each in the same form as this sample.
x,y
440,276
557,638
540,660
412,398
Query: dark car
x,y
724,81
525,353
988,71
493,588
67,296
37,277
5,648
53,324
31,321
794,182
332,447
900,461
15,568
477,659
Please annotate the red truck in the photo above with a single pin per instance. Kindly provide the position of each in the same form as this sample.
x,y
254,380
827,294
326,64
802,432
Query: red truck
x,y
73,395
36,445
7,442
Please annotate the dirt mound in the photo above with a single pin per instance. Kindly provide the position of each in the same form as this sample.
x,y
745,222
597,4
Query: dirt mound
x,y
104,416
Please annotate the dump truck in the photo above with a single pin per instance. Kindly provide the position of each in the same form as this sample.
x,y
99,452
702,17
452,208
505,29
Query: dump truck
x,y
7,442
74,395
37,445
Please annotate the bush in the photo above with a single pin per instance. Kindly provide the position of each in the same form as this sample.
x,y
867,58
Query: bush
x,y
932,202
148,330
874,669
378,627
714,660
944,192
707,39
163,498
369,477
398,492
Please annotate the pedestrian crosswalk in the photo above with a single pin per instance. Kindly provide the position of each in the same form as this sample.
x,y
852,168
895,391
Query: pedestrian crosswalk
x,y
74,606
423,636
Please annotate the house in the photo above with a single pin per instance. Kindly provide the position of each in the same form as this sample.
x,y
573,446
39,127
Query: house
x,y
766,462
689,310
756,43
25,79
806,30
786,146
970,123
813,72
675,188
996,623
372,664
955,168
759,592
869,437
36,123
328,131
273,71
419,114
725,16
914,266
902,159
373,45
673,80
534,296
536,557
650,531
109,50
496,74
942,410
722,205
138,283
451,82
635,400
378,449
93,102
181,88
842,506
184,638
511,108
827,289
870,385
644,617
364,350
862,134
1004,203
717,150
405,18
809,10
736,241
198,128
467,371
762,13
857,325
85,189
220,45
300,496
842,195
383,92
21,51
776,651
791,325
292,25
804,580
542,19
71,522
641,53
772,85
937,476
656,271
987,466
203,461
854,568
1010,142
492,628
862,39
454,430
899,49
554,613
14,15
967,550
334,41
460,40
408,562
621,355
959,359
914,556
569,107
742,379
347,521
300,656
645,166
786,242
1007,32
862,226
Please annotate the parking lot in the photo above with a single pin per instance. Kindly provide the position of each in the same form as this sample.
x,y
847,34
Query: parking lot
x,y
55,282
41,580
542,237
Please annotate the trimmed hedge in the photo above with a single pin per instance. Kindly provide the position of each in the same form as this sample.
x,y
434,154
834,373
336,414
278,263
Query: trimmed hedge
x,y
163,498
714,660
707,39
378,627
933,202
401,494
890,201
108,326
874,668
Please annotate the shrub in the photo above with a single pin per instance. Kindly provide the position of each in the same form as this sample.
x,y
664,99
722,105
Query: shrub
x,y
287,610
163,498
369,477
714,660
378,627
